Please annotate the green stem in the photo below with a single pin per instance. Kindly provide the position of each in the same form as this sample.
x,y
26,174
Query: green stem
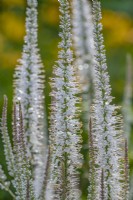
x,y
11,193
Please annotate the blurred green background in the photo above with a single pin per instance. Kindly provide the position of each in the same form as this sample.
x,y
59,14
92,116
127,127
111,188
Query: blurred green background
x,y
118,32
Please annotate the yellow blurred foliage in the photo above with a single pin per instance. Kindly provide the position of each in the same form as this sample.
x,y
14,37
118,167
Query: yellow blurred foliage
x,y
9,59
14,2
12,26
2,40
50,14
119,28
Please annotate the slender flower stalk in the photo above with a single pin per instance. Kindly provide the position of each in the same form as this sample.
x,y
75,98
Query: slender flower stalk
x,y
126,187
4,184
8,151
127,102
22,175
127,109
84,50
6,140
29,85
102,185
92,163
65,126
107,125
17,159
44,194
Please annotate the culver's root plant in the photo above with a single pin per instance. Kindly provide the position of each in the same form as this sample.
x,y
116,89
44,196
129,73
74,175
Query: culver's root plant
x,y
107,129
65,126
50,169
29,88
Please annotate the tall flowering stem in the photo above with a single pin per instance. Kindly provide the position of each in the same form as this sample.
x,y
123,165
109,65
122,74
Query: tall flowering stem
x,y
44,193
65,126
22,175
102,185
17,159
127,101
92,163
84,50
127,114
107,125
6,140
29,86
127,111
126,171
8,151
